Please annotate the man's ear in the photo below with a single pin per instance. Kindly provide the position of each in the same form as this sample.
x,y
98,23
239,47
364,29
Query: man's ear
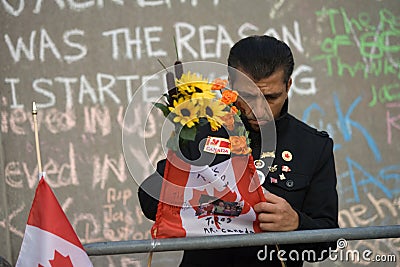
x,y
288,85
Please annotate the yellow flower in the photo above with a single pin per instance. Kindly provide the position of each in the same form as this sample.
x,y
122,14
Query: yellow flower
x,y
186,112
198,98
214,112
186,89
191,78
191,83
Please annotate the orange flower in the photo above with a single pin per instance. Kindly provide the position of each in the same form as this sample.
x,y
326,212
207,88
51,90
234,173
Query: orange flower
x,y
229,121
239,145
229,96
218,84
234,110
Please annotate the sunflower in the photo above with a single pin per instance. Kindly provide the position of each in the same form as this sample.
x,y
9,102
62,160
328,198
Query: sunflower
x,y
186,112
199,98
214,112
191,83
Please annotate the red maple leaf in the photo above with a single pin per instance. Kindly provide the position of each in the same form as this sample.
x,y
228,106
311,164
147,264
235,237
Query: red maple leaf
x,y
226,194
60,261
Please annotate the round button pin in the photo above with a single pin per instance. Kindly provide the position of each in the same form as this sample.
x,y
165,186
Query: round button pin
x,y
259,164
287,156
261,176
289,183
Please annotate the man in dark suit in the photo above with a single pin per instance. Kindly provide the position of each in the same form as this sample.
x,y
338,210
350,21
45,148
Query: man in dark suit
x,y
300,173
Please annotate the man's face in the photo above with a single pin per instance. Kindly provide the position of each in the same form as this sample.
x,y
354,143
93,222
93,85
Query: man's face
x,y
252,99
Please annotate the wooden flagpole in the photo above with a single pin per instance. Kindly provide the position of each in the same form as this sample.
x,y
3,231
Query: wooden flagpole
x,y
35,125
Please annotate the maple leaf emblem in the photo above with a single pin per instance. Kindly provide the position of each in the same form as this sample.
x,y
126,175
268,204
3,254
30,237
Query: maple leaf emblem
x,y
60,261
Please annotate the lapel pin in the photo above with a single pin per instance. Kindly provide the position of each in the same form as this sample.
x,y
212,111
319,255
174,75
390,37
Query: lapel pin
x,y
269,154
273,180
259,164
273,168
285,168
287,156
282,176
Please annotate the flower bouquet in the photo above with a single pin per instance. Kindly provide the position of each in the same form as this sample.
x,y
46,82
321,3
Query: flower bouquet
x,y
210,184
194,103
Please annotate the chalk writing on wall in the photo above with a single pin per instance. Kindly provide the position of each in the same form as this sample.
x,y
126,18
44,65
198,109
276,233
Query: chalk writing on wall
x,y
83,61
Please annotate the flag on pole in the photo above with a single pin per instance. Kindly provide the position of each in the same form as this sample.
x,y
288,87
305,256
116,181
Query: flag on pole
x,y
50,240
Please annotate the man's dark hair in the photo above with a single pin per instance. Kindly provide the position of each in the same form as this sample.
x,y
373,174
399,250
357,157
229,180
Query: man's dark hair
x,y
260,56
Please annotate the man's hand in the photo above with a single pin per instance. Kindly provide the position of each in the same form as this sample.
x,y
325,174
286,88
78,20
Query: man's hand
x,y
276,214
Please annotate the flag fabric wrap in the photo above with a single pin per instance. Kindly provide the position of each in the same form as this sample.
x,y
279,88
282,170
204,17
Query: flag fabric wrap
x,y
49,239
208,200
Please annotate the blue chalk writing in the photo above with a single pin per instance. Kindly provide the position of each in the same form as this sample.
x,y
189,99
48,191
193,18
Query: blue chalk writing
x,y
346,122
366,179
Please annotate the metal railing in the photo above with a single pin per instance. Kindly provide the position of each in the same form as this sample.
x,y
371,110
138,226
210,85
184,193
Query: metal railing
x,y
229,241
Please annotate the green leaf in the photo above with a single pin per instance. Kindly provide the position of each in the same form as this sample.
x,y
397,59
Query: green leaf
x,y
248,140
188,133
163,108
237,118
241,130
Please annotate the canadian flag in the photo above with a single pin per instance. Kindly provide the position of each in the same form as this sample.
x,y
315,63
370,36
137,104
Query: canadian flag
x,y
208,200
50,240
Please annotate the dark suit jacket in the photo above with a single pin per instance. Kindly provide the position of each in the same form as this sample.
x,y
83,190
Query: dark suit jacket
x,y
309,187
